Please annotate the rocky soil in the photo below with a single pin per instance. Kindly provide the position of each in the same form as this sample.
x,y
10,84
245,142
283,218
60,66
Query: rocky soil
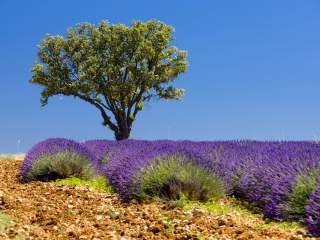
x,y
47,211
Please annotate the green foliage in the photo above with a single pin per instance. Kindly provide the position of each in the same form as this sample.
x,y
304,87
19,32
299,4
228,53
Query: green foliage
x,y
235,207
292,226
168,224
304,186
170,178
5,222
61,165
99,183
221,207
105,158
116,68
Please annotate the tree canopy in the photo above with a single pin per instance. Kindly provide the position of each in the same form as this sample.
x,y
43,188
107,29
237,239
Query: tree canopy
x,y
116,68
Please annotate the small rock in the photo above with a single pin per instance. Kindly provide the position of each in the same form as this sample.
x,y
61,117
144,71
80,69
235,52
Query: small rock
x,y
221,222
26,227
114,214
2,198
71,230
21,231
186,221
154,229
4,235
299,237
70,206
134,201
196,212
299,232
96,225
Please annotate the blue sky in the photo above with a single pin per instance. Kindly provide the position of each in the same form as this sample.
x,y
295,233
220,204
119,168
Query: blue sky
x,y
254,71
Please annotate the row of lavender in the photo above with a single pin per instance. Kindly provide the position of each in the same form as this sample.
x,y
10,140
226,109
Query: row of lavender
x,y
282,178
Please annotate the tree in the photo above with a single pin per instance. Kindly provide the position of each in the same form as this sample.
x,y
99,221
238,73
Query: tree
x,y
116,68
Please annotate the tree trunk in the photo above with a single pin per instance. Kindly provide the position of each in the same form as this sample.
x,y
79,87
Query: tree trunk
x,y
122,134
123,131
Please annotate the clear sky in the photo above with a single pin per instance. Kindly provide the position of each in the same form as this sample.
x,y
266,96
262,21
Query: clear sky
x,y
254,70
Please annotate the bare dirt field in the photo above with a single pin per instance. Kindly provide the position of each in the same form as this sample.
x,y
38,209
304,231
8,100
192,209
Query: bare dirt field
x,y
47,211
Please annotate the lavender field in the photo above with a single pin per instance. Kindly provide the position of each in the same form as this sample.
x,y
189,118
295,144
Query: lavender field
x,y
280,178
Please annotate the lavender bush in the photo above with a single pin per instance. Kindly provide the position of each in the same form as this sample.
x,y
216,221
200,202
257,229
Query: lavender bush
x,y
129,157
58,158
268,181
313,212
175,176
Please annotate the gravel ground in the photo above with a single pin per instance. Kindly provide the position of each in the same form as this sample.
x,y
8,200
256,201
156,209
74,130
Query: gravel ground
x,y
47,211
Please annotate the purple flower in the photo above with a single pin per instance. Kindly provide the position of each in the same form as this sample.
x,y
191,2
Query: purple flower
x,y
100,148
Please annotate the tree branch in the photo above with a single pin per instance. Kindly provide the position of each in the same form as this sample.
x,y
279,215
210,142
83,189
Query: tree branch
x,y
104,115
